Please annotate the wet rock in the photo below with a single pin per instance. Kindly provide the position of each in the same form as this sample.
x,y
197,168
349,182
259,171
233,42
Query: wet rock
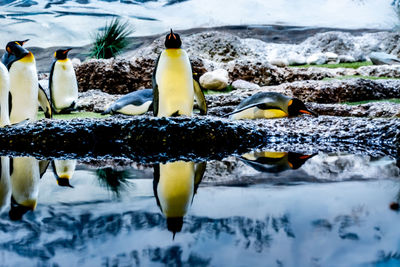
x,y
148,139
76,62
295,59
372,110
279,62
331,58
382,58
346,59
214,80
244,85
95,100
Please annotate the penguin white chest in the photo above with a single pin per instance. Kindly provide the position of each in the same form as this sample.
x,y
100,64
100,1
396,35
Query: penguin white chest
x,y
4,90
24,89
64,87
174,79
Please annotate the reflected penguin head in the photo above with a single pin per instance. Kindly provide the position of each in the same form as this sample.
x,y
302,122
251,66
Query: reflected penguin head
x,y
64,182
296,160
17,211
173,40
174,225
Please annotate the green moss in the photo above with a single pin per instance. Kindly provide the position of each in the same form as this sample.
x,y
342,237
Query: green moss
x,y
353,65
346,77
73,115
392,100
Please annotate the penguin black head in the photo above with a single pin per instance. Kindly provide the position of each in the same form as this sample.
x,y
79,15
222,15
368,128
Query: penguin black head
x,y
296,107
174,225
61,53
15,52
173,40
296,160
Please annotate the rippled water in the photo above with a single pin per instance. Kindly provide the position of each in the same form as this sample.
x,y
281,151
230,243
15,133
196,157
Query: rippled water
x,y
71,22
262,209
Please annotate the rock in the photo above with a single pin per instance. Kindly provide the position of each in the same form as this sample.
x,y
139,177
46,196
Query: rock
x,y
279,62
95,100
351,90
316,59
215,80
372,110
244,85
295,59
391,71
346,59
331,58
76,62
382,58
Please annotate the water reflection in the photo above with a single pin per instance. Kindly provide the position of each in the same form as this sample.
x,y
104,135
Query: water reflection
x,y
348,223
271,161
174,185
63,171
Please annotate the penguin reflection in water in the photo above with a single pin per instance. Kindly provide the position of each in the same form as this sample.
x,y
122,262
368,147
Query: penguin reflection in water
x,y
269,105
25,92
275,162
174,186
62,83
174,88
63,171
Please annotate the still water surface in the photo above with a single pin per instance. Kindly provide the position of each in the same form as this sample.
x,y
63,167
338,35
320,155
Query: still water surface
x,y
233,215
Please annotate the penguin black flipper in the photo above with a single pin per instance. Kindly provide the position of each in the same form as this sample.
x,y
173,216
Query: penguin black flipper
x,y
155,88
198,93
43,165
200,169
44,102
51,82
156,179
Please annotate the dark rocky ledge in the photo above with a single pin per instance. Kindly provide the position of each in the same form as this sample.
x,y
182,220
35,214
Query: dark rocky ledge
x,y
148,139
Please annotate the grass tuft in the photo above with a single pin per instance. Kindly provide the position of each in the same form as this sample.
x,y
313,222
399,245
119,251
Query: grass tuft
x,y
112,40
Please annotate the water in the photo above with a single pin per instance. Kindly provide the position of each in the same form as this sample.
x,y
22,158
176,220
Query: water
x,y
307,210
72,23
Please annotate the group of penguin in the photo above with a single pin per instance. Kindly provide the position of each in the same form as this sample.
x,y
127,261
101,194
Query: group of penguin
x,y
175,88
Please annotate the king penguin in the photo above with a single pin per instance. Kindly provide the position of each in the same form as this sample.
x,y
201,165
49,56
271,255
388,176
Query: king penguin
x,y
24,86
269,105
275,162
63,171
25,178
134,103
174,88
62,83
174,185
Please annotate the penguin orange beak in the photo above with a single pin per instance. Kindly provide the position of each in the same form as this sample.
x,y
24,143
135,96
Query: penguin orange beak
x,y
67,50
24,41
171,35
308,112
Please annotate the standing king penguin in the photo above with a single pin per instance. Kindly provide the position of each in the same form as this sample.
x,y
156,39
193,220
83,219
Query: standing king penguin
x,y
24,85
62,83
174,88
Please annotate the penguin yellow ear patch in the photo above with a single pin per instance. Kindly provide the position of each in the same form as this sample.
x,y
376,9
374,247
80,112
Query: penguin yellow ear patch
x,y
9,50
290,102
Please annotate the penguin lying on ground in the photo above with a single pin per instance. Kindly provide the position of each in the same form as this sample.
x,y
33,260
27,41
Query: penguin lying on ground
x,y
62,83
135,103
174,88
269,105
274,162
24,86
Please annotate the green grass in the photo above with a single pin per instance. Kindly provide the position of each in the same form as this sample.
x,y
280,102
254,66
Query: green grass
x,y
346,77
111,40
392,100
73,115
353,65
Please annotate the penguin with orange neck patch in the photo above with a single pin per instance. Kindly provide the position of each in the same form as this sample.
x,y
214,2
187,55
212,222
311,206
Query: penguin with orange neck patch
x,y
24,85
62,83
269,105
174,88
